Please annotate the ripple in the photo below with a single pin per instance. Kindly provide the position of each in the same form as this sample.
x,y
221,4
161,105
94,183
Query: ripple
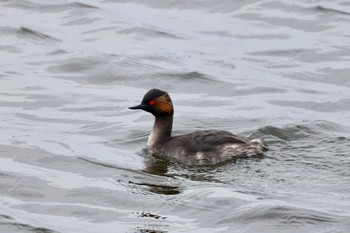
x,y
33,35
19,227
152,33
117,70
338,106
284,21
147,180
283,53
133,137
330,10
56,120
317,129
283,215
39,7
77,65
189,76
289,133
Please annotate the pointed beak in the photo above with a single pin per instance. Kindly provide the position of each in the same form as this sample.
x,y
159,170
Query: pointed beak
x,y
140,106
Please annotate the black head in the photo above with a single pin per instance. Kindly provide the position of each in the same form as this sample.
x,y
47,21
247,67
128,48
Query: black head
x,y
157,102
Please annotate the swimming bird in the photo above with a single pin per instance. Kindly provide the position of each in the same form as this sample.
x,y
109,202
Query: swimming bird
x,y
206,147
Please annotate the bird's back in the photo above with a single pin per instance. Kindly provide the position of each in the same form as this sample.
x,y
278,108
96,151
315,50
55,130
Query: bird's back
x,y
209,147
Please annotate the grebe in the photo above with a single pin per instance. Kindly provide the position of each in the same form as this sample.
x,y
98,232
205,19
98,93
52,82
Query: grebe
x,y
206,147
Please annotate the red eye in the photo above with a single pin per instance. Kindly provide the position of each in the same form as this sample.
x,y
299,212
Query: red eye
x,y
151,102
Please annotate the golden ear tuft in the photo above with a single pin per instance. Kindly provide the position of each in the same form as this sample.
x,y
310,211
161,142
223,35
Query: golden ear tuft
x,y
164,104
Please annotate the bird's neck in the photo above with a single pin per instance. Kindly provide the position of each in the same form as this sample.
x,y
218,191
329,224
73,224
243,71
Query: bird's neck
x,y
161,130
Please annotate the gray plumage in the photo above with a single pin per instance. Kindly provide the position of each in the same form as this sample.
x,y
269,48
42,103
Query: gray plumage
x,y
206,147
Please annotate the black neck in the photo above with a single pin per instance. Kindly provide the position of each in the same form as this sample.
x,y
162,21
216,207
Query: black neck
x,y
162,128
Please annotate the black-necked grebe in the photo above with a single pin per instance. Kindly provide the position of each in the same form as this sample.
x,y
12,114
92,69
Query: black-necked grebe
x,y
206,147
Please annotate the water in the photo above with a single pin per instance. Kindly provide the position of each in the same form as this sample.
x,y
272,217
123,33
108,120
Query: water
x,y
72,155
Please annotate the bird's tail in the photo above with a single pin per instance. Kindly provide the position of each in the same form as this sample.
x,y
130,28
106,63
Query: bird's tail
x,y
260,147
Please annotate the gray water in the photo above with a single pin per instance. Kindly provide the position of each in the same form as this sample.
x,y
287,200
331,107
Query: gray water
x,y
72,155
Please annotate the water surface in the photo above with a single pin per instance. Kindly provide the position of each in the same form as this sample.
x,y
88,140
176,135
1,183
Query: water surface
x,y
72,155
